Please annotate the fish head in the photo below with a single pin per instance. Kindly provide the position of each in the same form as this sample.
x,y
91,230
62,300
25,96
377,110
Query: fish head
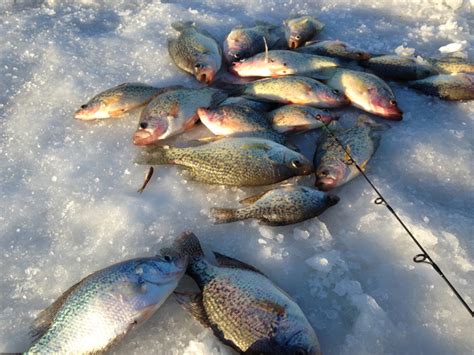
x,y
162,268
237,46
93,110
331,97
325,116
301,29
205,70
298,164
217,120
384,104
331,174
151,129
261,65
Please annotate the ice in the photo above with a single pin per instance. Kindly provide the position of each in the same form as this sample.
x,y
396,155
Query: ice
x,y
69,204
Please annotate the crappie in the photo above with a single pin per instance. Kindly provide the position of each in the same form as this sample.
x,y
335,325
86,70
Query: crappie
x,y
400,68
452,65
98,311
243,307
367,92
333,167
243,42
233,161
299,29
195,52
116,101
298,118
283,62
174,112
242,101
336,48
279,207
232,120
292,90
447,86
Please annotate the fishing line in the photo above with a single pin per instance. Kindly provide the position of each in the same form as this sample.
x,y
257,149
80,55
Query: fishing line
x,y
424,257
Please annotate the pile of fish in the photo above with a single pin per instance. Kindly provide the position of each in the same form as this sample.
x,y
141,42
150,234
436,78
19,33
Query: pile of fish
x,y
267,83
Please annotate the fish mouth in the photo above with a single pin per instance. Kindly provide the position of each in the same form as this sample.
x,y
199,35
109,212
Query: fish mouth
x,y
87,114
145,136
326,184
394,114
293,44
206,75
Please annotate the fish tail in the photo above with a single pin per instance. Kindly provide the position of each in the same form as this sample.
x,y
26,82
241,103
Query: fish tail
x,y
155,156
188,244
226,215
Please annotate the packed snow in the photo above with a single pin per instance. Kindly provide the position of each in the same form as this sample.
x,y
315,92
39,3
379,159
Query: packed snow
x,y
69,203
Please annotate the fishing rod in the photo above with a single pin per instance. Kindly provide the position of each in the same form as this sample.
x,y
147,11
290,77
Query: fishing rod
x,y
424,256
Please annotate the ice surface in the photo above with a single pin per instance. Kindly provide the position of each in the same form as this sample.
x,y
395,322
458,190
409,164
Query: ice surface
x,y
69,204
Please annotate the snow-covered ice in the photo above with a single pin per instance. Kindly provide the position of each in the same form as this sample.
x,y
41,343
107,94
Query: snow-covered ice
x,y
69,204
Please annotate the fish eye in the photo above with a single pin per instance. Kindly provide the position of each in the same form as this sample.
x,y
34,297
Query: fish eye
x,y
296,164
335,91
393,102
167,258
84,106
198,66
297,37
143,125
236,55
318,116
284,64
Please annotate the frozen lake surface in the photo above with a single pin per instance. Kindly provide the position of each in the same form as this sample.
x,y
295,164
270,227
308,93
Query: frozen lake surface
x,y
69,204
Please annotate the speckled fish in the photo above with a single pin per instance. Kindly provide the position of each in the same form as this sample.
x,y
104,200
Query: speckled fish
x,y
279,207
299,29
399,67
243,307
447,86
238,120
292,90
299,118
283,62
336,49
101,309
116,101
233,161
243,42
242,101
452,65
332,162
174,112
195,51
367,92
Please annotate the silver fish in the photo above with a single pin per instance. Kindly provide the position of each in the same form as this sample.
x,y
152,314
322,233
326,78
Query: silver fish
x,y
447,86
301,28
299,118
336,49
399,67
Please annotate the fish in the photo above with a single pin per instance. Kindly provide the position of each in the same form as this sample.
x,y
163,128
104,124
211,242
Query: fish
x,y
301,28
454,87
244,42
367,92
399,67
451,65
284,62
336,49
242,306
279,207
333,161
243,161
174,112
118,100
101,309
238,120
291,90
242,101
195,51
299,118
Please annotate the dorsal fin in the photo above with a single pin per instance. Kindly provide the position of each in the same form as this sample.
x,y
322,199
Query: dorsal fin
x,y
227,261
266,49
44,319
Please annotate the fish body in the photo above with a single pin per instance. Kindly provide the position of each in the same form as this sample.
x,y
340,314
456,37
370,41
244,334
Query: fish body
x,y
242,161
243,307
336,49
452,65
447,86
284,62
279,207
116,101
231,120
101,309
293,90
195,51
367,92
400,68
298,118
244,42
299,29
333,166
174,112
242,101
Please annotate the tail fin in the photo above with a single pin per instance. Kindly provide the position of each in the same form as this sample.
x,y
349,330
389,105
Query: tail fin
x,y
153,156
364,120
188,244
225,215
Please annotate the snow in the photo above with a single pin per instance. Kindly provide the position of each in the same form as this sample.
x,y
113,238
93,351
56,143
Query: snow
x,y
69,204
